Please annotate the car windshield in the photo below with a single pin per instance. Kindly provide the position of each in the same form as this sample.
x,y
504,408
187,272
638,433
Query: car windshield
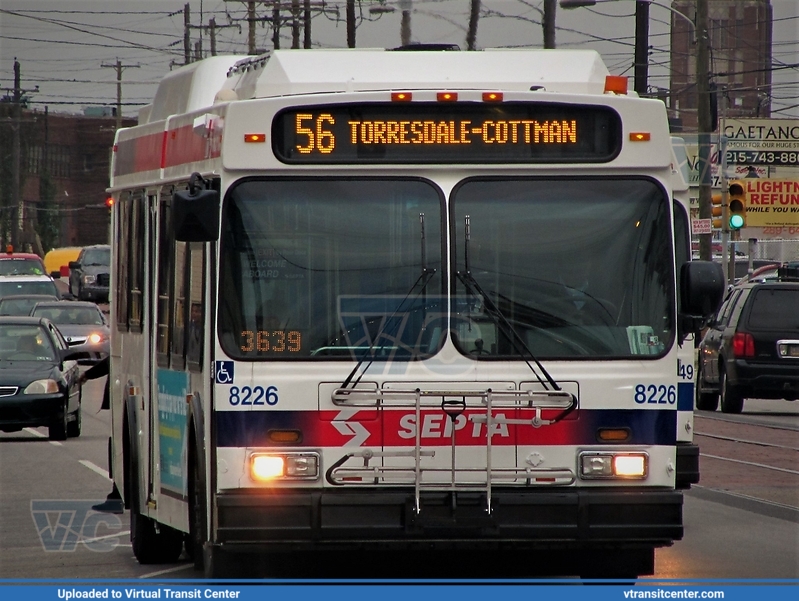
x,y
21,266
579,268
97,256
25,343
69,315
10,287
330,268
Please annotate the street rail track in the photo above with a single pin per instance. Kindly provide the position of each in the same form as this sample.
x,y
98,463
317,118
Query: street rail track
x,y
741,457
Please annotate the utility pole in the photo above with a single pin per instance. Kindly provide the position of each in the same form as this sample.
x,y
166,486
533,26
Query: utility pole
x,y
474,16
16,157
275,26
119,67
306,18
212,35
251,25
295,23
186,34
350,23
548,22
405,25
704,124
641,59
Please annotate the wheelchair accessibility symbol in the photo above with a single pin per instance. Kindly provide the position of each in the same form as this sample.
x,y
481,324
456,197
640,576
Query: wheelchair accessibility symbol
x,y
224,372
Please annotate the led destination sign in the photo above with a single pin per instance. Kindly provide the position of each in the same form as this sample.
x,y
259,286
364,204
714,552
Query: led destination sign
x,y
447,133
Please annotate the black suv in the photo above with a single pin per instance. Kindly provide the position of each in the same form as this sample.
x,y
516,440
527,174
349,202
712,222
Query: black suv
x,y
89,275
751,349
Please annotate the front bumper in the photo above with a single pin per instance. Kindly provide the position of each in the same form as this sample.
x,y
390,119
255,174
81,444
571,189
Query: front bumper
x,y
28,411
542,519
94,293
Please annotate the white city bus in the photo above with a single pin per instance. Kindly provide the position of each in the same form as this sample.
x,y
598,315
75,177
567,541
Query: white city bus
x,y
390,299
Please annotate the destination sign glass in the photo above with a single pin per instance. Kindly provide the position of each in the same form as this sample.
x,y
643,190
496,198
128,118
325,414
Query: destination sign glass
x,y
399,133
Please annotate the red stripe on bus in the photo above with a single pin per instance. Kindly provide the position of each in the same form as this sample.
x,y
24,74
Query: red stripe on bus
x,y
138,154
184,145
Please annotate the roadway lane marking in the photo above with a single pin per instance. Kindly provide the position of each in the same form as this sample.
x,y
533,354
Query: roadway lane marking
x,y
40,435
168,571
94,468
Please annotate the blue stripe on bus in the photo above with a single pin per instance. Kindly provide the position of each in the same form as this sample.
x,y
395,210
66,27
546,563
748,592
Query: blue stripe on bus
x,y
685,396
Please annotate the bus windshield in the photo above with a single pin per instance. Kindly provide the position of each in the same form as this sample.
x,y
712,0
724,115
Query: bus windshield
x,y
575,268
331,268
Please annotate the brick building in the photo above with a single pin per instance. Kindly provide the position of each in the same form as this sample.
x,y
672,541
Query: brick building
x,y
740,60
63,177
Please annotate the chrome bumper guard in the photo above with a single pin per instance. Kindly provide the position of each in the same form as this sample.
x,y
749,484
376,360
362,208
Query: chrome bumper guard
x,y
355,467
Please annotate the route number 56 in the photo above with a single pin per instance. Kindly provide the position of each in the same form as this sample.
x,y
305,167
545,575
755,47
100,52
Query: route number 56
x,y
313,129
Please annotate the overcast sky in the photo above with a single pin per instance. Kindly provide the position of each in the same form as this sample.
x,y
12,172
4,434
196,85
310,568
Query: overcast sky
x,y
65,46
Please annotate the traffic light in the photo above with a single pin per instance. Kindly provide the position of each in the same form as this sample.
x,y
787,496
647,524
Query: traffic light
x,y
715,199
109,203
737,205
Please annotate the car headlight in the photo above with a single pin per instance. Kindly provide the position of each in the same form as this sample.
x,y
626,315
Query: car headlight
x,y
95,338
89,279
41,387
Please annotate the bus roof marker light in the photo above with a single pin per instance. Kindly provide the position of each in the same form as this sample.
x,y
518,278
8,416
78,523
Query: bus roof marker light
x,y
616,84
254,138
640,136
493,96
401,96
447,96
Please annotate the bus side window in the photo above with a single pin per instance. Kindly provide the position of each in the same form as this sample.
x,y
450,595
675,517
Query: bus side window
x,y
164,285
196,292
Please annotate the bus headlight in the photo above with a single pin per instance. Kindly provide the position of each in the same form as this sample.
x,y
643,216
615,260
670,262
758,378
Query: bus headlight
x,y
620,465
266,467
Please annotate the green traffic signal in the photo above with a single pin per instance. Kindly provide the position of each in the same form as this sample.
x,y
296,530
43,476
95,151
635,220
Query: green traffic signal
x,y
737,206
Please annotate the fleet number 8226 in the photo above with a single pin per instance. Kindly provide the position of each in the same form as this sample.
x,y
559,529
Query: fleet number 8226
x,y
253,396
655,395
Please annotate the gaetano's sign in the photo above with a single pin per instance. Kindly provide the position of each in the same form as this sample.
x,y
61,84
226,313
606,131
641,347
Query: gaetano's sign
x,y
771,202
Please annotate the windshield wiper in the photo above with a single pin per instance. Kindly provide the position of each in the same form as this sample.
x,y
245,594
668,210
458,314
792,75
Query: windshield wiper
x,y
519,345
424,278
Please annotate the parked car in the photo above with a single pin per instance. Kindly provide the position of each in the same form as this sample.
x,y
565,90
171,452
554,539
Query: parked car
x,y
751,348
21,304
39,383
29,284
12,263
81,323
90,275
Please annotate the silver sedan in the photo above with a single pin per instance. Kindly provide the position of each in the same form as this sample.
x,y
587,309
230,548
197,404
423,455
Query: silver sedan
x,y
82,324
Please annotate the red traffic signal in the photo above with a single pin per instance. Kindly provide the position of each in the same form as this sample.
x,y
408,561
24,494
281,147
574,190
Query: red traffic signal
x,y
109,202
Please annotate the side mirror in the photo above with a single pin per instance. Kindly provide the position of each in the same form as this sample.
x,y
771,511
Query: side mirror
x,y
74,265
702,290
195,212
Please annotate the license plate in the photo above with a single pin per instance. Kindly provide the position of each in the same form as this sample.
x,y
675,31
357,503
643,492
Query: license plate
x,y
789,350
